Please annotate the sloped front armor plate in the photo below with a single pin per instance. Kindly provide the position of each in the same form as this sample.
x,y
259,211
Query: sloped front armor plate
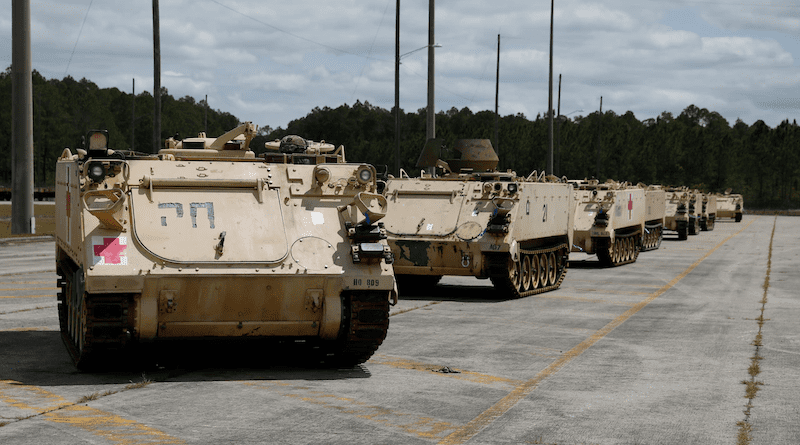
x,y
186,225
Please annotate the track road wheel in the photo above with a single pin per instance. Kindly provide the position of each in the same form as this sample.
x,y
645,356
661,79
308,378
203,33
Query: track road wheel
x,y
536,275
552,268
526,272
515,273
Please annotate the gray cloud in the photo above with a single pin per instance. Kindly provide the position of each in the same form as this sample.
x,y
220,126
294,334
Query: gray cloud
x,y
271,62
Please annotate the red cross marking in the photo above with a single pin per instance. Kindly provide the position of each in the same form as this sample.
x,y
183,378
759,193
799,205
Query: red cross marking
x,y
111,250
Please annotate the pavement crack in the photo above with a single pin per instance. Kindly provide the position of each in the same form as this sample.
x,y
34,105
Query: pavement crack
x,y
752,386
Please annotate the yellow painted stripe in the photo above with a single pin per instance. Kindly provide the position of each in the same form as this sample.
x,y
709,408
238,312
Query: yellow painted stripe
x,y
458,374
506,403
35,401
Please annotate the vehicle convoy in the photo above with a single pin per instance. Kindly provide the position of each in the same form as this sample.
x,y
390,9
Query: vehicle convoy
x,y
730,205
655,206
708,213
469,219
609,220
206,241
677,218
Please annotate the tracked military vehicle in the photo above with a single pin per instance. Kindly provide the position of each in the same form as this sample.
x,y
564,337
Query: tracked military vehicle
x,y
609,220
469,219
695,210
676,211
206,241
708,212
730,205
655,207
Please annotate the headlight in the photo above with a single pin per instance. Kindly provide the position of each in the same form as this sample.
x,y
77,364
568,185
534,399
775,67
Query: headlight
x,y
512,188
364,174
96,172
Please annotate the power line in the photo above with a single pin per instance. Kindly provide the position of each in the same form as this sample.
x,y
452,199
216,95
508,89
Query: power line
x,y
293,34
358,79
79,37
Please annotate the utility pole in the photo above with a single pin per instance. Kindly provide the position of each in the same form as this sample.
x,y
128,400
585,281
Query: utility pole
x,y
431,122
22,217
133,114
600,116
558,131
205,117
550,98
497,101
397,91
156,80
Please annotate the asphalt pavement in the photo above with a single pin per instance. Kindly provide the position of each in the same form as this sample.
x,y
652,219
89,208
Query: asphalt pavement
x,y
697,342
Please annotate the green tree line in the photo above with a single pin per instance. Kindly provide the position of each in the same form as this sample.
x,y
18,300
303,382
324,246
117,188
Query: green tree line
x,y
65,110
698,148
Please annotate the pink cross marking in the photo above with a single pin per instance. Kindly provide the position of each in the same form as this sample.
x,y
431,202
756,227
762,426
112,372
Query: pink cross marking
x,y
111,250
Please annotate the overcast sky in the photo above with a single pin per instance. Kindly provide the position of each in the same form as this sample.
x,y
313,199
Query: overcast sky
x,y
270,62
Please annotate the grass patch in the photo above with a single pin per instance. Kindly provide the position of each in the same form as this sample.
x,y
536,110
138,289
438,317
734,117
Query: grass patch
x,y
745,433
95,396
141,384
752,388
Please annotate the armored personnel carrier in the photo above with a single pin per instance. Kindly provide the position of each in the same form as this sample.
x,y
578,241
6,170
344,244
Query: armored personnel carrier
x,y
468,219
708,213
676,211
655,206
609,220
206,241
730,205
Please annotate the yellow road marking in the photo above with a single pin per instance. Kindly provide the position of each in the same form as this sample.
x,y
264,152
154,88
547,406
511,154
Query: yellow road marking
x,y
506,403
459,374
421,426
34,401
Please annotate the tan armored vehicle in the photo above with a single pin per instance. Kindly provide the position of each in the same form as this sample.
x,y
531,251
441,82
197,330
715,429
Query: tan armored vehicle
x,y
655,208
730,205
472,220
676,212
206,241
708,213
609,220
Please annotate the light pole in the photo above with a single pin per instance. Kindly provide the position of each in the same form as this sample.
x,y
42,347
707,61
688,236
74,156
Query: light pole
x,y
550,97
